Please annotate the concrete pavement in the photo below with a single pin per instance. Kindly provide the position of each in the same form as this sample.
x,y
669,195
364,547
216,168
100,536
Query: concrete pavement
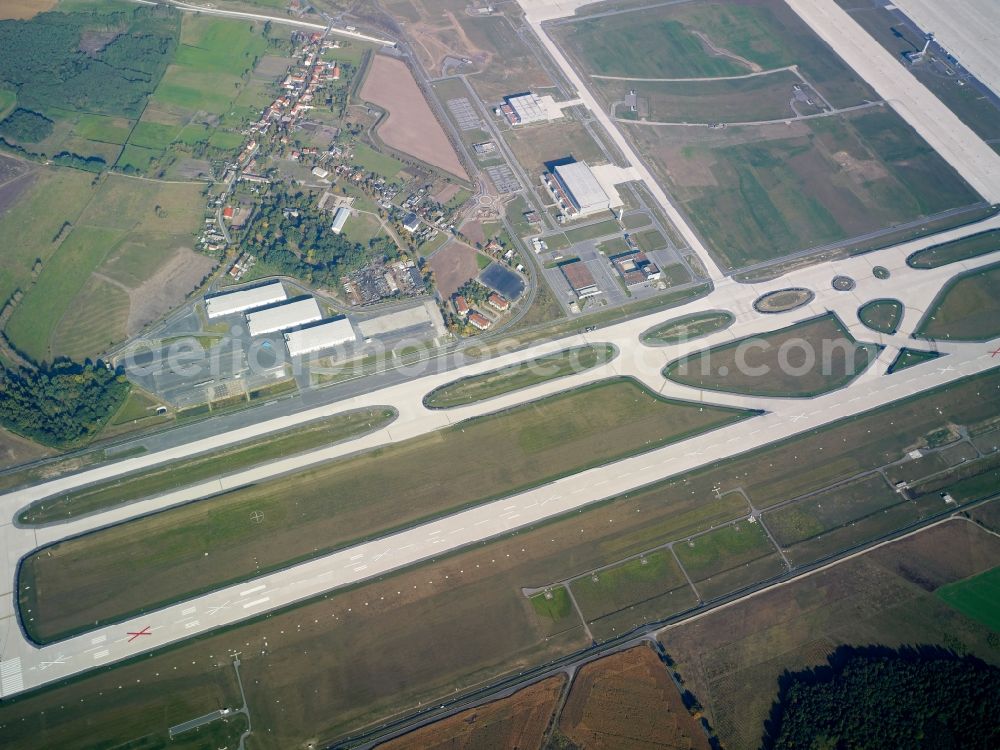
x,y
27,666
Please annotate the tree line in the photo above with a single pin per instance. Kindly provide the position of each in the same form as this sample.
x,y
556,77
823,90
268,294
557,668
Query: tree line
x,y
61,404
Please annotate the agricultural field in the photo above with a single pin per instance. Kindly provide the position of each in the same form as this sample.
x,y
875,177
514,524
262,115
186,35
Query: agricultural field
x,y
956,250
759,193
967,309
172,476
727,100
882,315
978,597
731,659
518,721
820,355
352,658
205,98
410,126
116,252
628,700
515,377
689,327
340,502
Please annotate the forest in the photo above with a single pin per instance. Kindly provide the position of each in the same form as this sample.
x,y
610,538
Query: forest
x,y
25,125
106,63
61,404
293,237
875,697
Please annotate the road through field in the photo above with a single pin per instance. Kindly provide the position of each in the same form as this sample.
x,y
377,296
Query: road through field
x,y
26,666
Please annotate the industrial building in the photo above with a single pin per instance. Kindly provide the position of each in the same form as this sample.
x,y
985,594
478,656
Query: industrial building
x,y
282,317
580,279
524,109
576,189
325,335
635,267
339,219
228,303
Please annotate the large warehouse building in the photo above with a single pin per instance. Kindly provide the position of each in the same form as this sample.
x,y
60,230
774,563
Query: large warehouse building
x,y
325,335
228,303
580,279
576,189
282,317
339,219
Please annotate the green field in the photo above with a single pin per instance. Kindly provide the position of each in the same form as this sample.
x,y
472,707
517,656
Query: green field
x,y
909,358
728,558
952,252
754,99
677,41
179,474
836,519
97,222
978,597
515,377
612,589
882,315
31,226
967,309
820,355
340,502
371,160
689,327
593,231
758,194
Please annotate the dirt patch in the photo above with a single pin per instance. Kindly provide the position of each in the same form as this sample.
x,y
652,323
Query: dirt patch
x,y
13,189
446,193
628,700
723,52
861,171
514,722
92,42
410,126
475,232
15,450
453,265
21,9
166,288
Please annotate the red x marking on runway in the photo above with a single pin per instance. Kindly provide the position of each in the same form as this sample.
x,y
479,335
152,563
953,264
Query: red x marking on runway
x,y
145,631
995,353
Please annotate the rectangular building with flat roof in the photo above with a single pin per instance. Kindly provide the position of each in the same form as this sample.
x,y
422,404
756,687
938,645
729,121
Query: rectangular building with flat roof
x,y
577,190
282,317
325,335
580,279
228,303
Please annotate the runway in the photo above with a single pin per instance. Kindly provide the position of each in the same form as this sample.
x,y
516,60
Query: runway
x,y
24,666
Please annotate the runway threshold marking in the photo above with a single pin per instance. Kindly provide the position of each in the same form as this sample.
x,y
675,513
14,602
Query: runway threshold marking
x,y
255,602
254,590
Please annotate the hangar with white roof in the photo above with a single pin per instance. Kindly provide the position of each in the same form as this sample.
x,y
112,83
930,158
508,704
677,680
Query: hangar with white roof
x,y
282,317
577,190
325,335
229,303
